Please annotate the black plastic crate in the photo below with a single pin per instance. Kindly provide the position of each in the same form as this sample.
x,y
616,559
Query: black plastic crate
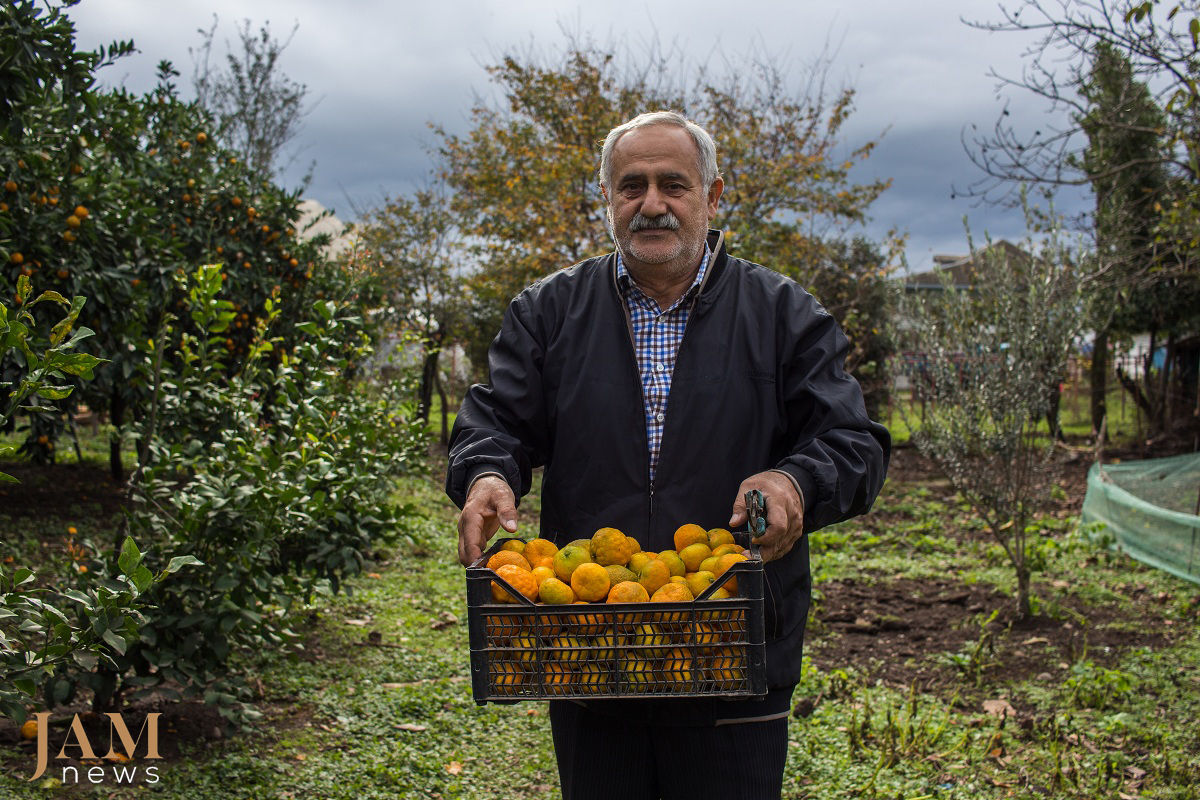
x,y
707,647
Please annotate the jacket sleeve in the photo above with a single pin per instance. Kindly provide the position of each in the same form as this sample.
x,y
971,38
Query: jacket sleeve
x,y
837,455
502,426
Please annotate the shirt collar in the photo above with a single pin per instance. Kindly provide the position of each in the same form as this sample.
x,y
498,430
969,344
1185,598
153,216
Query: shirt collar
x,y
627,283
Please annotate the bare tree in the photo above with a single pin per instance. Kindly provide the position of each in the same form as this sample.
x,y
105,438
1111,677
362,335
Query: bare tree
x,y
991,356
260,109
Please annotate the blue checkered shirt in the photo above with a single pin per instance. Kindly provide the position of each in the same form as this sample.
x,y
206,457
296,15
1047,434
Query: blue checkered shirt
x,y
656,336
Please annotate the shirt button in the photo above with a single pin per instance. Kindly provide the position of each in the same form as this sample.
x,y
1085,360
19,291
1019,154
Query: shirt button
x,y
660,416
659,367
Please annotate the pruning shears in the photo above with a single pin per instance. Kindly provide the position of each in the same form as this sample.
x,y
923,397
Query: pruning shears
x,y
756,508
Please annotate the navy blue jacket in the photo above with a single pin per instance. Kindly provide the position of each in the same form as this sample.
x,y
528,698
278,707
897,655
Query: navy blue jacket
x,y
758,384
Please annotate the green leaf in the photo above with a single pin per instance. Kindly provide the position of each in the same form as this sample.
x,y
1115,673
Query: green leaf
x,y
1194,28
130,557
179,562
114,641
142,578
22,576
76,363
26,685
54,392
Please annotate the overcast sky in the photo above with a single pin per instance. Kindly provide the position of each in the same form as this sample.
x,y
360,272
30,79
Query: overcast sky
x,y
379,71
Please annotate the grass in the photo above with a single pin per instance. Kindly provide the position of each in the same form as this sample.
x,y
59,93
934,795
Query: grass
x,y
355,715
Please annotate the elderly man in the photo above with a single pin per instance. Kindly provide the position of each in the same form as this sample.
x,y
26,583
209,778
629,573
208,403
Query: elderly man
x,y
656,385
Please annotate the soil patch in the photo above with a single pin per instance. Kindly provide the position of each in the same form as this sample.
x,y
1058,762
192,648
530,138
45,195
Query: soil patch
x,y
60,490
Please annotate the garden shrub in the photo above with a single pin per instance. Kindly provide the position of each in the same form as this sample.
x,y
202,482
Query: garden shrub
x,y
279,477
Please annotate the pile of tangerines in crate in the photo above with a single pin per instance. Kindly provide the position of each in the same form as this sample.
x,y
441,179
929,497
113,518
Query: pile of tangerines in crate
x,y
611,567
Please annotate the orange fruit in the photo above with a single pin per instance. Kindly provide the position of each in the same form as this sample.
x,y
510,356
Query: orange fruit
x,y
673,562
506,676
590,582
607,643
699,581
677,670
537,549
554,592
586,624
693,554
592,676
709,564
719,536
724,563
501,557
520,579
636,672
672,593
516,545
689,534
558,677
568,649
729,547
654,575
29,728
650,641
634,545
639,559
628,592
610,546
617,573
542,572
586,544
568,559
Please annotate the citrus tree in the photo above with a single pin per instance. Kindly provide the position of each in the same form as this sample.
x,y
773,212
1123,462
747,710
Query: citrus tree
x,y
109,195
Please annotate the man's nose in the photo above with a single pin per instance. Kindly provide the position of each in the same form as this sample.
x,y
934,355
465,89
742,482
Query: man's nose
x,y
653,202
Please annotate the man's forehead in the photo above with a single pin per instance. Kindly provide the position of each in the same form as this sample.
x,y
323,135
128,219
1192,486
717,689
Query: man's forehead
x,y
658,151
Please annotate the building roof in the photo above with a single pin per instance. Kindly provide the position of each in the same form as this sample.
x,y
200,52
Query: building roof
x,y
961,268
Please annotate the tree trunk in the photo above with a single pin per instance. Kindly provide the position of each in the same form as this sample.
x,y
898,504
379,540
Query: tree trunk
x,y
1099,379
441,390
1023,601
428,379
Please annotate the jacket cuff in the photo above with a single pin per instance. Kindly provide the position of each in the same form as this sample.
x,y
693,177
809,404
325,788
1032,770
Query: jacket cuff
x,y
804,484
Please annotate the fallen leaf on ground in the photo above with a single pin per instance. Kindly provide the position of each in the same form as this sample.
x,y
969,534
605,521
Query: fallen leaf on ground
x,y
408,726
358,622
454,768
999,708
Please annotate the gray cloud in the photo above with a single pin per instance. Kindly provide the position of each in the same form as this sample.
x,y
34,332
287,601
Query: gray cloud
x,y
379,71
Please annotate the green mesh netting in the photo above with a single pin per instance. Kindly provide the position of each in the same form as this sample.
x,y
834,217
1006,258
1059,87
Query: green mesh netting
x,y
1149,507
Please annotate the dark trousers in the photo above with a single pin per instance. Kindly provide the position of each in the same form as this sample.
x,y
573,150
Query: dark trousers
x,y
602,757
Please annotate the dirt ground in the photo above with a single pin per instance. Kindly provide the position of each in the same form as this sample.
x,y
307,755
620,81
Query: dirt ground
x,y
899,631
896,631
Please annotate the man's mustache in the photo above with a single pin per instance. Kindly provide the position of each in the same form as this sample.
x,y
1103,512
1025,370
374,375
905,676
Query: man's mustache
x,y
641,222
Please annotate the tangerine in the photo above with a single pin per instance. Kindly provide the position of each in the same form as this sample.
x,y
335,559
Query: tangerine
x,y
590,582
610,546
719,536
520,579
554,592
673,562
501,557
653,575
537,549
693,554
568,559
689,533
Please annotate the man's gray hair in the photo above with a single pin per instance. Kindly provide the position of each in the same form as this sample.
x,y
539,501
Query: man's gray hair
x,y
704,143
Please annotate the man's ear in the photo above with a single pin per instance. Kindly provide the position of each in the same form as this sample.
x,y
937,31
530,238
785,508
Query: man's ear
x,y
604,191
714,195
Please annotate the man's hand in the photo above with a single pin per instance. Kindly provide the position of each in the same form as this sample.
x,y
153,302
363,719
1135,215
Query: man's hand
x,y
785,513
490,504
